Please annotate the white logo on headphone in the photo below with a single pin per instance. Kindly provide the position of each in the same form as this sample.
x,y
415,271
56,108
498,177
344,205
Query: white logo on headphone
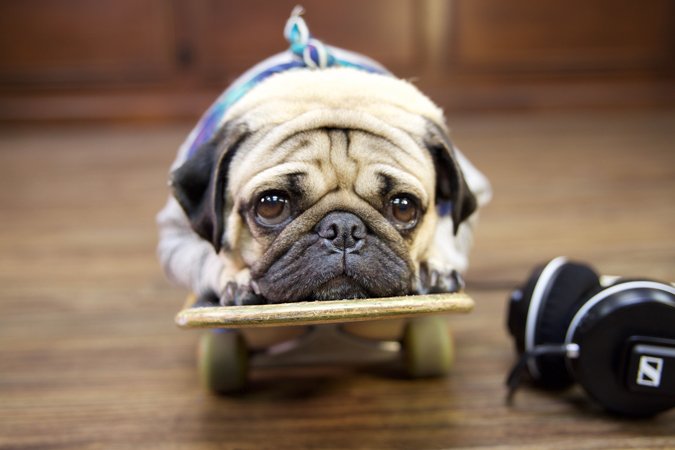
x,y
649,373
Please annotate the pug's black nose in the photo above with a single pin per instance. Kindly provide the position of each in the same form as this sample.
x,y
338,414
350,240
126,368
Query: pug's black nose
x,y
342,231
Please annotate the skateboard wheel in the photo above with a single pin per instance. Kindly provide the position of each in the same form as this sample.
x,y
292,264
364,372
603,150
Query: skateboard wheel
x,y
428,348
223,361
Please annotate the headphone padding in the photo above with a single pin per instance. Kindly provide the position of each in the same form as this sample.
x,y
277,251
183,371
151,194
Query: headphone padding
x,y
568,290
518,305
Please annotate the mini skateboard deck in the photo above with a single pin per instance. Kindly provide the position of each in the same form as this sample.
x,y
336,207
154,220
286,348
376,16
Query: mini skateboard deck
x,y
321,312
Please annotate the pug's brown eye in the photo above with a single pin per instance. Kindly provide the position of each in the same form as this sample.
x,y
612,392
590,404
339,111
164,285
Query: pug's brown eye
x,y
404,211
273,208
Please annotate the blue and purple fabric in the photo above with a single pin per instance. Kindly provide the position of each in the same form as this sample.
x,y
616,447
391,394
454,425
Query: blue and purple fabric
x,y
305,52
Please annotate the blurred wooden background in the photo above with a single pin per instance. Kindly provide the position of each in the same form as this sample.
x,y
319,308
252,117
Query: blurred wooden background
x,y
167,59
567,106
90,357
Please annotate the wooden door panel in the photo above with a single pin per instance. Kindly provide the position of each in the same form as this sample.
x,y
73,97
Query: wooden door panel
x,y
81,41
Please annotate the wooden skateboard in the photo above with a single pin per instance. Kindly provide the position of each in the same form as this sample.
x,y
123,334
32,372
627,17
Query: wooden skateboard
x,y
357,331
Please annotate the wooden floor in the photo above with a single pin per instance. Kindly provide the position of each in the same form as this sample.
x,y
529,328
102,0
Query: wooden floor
x,y
90,357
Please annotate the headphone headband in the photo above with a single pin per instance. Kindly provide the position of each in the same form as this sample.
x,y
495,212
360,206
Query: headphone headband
x,y
615,289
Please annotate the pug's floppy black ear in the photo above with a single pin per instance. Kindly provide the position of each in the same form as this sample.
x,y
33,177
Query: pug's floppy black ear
x,y
453,196
199,184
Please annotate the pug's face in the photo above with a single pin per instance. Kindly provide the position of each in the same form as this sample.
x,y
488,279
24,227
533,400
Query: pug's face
x,y
325,213
333,213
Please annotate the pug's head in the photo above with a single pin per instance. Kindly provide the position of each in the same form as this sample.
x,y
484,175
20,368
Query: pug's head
x,y
326,185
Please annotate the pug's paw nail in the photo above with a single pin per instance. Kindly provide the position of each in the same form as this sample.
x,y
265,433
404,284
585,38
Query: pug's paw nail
x,y
236,295
248,297
446,282
433,278
255,287
459,281
229,295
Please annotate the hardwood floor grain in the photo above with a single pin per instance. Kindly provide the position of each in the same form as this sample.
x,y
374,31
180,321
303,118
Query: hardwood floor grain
x,y
90,357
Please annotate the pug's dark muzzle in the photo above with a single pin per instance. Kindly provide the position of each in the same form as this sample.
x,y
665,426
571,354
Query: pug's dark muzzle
x,y
340,258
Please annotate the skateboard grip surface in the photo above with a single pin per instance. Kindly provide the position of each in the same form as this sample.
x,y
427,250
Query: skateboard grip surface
x,y
318,312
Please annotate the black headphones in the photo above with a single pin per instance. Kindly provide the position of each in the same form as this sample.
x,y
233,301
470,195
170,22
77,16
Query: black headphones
x,y
616,339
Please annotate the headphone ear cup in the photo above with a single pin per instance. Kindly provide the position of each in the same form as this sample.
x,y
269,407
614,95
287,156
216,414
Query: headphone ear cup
x,y
568,289
624,330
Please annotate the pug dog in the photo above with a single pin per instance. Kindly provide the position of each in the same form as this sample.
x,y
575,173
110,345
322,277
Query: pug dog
x,y
321,184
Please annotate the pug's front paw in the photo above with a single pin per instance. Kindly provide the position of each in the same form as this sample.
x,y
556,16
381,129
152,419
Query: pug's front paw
x,y
437,281
235,294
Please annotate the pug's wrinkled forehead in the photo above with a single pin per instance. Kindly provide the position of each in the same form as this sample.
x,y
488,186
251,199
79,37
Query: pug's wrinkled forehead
x,y
340,98
279,110
325,159
345,91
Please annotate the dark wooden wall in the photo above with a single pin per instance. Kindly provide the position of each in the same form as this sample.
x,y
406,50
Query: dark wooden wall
x,y
166,59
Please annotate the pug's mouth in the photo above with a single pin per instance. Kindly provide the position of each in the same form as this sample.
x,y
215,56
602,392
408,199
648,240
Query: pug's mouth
x,y
307,273
340,287
311,270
